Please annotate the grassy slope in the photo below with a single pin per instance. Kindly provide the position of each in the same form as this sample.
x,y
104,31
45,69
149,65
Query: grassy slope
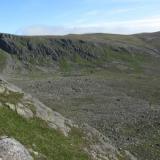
x,y
34,134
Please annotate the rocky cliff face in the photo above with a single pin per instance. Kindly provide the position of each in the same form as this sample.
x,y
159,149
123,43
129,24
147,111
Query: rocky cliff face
x,y
93,48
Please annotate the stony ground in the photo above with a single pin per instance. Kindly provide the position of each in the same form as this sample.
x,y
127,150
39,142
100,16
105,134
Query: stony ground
x,y
123,107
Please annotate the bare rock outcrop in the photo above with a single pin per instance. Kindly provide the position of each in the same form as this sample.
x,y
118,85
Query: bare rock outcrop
x,y
101,148
28,107
54,119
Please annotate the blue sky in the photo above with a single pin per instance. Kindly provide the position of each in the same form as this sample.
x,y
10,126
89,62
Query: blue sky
x,y
42,17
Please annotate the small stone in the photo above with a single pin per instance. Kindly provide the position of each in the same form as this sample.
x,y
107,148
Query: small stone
x,y
11,106
23,111
3,137
118,100
2,89
34,152
129,155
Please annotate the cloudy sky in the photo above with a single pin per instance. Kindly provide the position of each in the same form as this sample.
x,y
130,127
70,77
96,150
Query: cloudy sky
x,y
59,17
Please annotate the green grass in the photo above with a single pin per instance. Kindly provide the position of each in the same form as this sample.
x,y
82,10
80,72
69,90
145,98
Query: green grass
x,y
10,97
34,134
64,65
133,61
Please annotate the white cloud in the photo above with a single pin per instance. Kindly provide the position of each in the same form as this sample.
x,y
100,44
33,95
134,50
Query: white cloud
x,y
43,30
150,24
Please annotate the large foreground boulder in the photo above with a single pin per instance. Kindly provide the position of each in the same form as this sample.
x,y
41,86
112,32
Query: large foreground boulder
x,y
10,149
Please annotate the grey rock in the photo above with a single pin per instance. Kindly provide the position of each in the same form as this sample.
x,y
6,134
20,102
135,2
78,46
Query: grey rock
x,y
11,149
24,111
54,119
130,156
2,89
11,106
101,147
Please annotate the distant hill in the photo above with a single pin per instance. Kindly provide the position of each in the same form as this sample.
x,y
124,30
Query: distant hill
x,y
78,51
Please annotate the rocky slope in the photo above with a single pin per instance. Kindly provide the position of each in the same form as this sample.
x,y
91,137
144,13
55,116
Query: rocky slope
x,y
107,81
28,107
12,98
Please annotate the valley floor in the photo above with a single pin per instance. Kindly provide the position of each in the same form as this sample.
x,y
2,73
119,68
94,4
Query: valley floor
x,y
124,107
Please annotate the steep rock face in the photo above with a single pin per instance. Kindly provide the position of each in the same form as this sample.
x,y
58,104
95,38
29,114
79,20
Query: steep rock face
x,y
46,51
55,48
10,149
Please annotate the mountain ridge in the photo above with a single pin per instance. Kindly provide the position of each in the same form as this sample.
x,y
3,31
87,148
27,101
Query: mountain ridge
x,y
89,48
